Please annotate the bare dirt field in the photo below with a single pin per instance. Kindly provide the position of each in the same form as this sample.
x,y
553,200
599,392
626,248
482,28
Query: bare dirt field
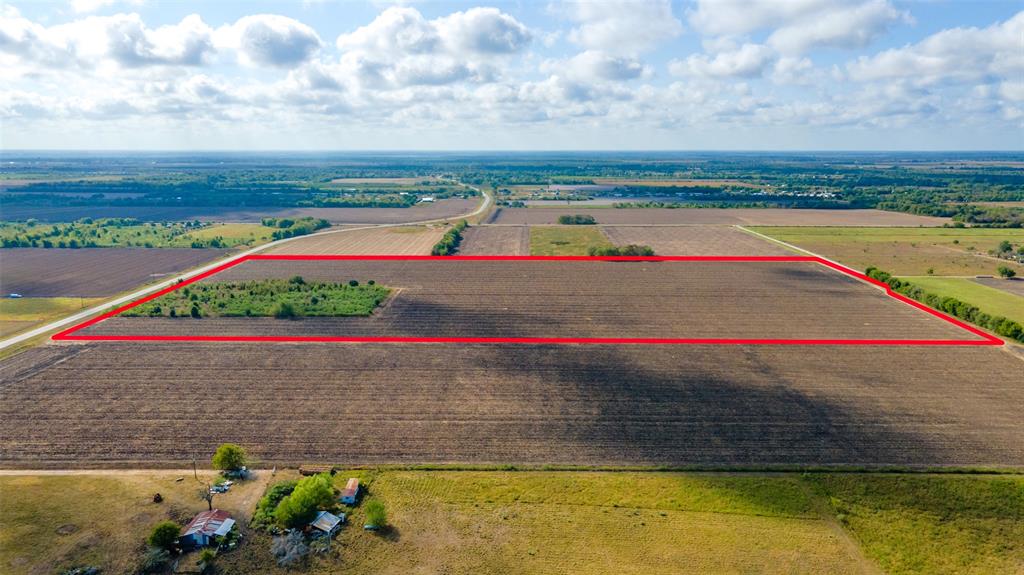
x,y
109,404
732,216
490,240
694,240
412,240
595,299
92,272
420,212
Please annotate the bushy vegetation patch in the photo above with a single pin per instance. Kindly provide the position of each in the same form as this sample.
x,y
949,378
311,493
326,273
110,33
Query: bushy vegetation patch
x,y
449,243
626,250
953,306
263,517
108,232
266,298
577,220
289,228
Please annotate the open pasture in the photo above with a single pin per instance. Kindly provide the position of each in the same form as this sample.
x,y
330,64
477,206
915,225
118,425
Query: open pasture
x,y
694,240
155,404
566,240
728,216
447,208
494,240
410,240
578,299
905,251
92,272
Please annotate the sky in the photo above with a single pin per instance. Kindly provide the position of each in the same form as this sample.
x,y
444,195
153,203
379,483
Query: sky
x,y
527,75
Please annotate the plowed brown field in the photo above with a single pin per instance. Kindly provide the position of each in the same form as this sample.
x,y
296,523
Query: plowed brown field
x,y
731,216
412,240
496,241
157,404
595,299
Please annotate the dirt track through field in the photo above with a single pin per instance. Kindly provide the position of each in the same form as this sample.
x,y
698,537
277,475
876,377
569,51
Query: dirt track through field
x,y
591,299
719,216
104,405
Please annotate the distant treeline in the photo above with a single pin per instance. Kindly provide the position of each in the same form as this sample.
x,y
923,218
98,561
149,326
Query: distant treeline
x,y
288,228
963,310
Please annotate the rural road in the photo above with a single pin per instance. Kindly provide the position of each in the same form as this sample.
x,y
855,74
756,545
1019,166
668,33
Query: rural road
x,y
82,315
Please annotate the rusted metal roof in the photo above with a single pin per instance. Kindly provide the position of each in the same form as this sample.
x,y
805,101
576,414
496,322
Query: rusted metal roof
x,y
209,523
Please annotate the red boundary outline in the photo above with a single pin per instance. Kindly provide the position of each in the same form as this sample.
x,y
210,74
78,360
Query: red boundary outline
x,y
986,339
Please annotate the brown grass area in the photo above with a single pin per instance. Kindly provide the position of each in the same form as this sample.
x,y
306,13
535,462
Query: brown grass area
x,y
730,216
694,240
153,404
491,240
92,272
460,298
412,240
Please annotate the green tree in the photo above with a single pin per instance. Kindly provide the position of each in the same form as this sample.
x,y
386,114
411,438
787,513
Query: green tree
x,y
194,312
164,535
310,495
229,457
1007,272
285,310
376,515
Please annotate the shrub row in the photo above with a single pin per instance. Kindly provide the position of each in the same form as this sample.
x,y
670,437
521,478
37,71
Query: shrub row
x,y
963,310
577,220
627,250
449,243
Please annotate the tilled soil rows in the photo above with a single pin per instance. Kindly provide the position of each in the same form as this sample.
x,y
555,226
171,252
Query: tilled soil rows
x,y
157,404
731,216
579,299
496,241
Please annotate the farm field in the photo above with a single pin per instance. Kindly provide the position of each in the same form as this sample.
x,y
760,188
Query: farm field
x,y
596,299
92,272
120,404
566,240
58,522
728,216
436,210
410,240
19,314
990,300
694,240
495,240
652,183
905,251
1015,287
556,521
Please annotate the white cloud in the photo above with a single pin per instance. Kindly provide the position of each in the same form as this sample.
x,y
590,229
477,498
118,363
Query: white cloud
x,y
957,55
622,26
86,6
747,61
270,39
597,65
798,25
402,48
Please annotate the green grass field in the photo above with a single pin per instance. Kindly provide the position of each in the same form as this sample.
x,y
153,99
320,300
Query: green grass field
x,y
904,251
115,233
554,522
233,234
42,308
989,300
566,241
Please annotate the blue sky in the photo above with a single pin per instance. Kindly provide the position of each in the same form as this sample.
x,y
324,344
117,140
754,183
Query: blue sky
x,y
658,74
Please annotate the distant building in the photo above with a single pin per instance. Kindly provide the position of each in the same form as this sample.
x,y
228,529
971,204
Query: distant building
x,y
326,523
427,199
204,527
351,492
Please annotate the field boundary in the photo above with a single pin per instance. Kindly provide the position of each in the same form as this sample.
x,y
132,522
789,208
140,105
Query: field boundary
x,y
985,338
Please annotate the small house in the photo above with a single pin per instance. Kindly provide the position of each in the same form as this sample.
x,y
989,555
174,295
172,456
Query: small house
x,y
205,527
326,523
351,492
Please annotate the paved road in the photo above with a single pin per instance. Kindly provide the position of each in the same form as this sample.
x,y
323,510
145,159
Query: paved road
x,y
80,316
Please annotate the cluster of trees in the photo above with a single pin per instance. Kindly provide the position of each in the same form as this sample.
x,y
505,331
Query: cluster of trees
x,y
89,233
577,220
449,242
953,306
289,228
626,250
1007,251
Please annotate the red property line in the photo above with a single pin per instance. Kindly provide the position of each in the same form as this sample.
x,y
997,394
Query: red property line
x,y
986,339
